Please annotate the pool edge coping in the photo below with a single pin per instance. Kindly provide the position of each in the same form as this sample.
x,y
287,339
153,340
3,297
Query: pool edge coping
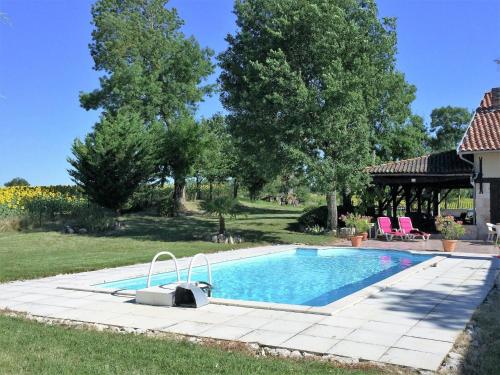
x,y
327,310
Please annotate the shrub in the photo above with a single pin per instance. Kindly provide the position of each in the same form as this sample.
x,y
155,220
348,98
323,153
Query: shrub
x,y
449,228
314,216
92,217
359,222
149,196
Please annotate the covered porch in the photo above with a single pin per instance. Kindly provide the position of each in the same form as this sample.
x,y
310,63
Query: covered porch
x,y
417,187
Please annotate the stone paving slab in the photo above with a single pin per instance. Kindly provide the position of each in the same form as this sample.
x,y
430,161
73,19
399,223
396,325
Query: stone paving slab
x,y
412,322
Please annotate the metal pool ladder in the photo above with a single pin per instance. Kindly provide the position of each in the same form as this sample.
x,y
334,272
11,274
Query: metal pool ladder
x,y
209,270
175,263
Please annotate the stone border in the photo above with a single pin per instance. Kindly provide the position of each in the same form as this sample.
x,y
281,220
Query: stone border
x,y
252,348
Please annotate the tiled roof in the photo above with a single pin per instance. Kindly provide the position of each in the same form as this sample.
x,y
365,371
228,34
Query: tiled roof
x,y
484,132
440,163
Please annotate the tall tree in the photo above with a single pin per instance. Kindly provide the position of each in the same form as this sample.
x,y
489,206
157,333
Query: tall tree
x,y
183,145
403,140
218,161
448,125
149,67
304,81
114,159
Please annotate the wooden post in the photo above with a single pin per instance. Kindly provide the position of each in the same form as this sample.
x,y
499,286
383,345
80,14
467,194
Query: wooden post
x,y
429,204
419,200
407,199
394,193
435,202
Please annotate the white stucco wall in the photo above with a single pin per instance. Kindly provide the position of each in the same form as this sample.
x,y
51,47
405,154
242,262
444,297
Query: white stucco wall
x,y
491,164
482,204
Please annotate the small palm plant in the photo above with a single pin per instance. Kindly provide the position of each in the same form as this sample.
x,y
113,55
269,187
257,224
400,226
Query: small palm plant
x,y
221,207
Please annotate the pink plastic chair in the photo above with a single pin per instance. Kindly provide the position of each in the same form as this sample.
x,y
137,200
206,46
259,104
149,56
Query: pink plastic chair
x,y
385,229
406,226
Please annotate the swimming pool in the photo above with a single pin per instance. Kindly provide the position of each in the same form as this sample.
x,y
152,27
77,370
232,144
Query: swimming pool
x,y
310,277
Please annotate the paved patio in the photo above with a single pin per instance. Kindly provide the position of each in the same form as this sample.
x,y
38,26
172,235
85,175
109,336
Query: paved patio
x,y
413,322
471,247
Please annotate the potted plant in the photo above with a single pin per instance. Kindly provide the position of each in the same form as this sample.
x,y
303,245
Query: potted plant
x,y
360,224
363,226
451,231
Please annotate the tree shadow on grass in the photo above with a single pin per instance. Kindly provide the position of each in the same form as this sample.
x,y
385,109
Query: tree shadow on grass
x,y
193,227
248,210
181,228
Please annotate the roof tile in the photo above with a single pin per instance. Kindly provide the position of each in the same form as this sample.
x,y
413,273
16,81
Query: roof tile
x,y
484,132
440,163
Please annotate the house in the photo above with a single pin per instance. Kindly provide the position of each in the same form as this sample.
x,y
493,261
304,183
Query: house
x,y
424,182
481,143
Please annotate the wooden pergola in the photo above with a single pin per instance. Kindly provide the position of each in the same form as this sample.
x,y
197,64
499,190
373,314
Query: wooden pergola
x,y
423,182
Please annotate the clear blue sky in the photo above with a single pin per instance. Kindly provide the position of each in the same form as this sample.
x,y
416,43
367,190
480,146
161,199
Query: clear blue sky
x,y
446,48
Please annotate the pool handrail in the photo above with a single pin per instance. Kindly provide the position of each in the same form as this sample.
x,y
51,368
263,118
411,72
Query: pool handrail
x,y
153,262
208,268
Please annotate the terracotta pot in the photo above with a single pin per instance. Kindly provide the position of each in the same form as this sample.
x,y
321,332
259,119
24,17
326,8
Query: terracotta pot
x,y
356,241
365,236
449,245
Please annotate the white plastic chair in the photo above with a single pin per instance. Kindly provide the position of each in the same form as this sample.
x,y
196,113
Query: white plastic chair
x,y
497,230
492,233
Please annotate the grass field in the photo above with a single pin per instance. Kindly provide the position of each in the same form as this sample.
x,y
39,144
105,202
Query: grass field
x,y
32,254
27,347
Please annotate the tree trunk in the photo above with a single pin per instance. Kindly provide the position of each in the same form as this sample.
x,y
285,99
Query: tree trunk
x,y
222,225
198,187
179,195
331,203
347,201
210,191
235,188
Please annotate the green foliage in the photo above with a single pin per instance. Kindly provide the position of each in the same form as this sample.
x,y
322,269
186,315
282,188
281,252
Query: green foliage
x,y
148,196
449,228
448,125
90,216
149,65
315,216
45,208
304,81
152,69
218,161
113,160
17,181
221,207
182,147
403,140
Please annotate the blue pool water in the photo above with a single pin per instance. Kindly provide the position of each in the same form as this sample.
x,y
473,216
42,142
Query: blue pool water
x,y
302,276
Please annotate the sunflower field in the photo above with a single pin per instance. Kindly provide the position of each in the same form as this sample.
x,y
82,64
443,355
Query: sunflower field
x,y
22,206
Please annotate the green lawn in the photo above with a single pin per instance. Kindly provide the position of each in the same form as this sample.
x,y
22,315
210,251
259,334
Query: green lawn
x,y
27,347
484,358
25,255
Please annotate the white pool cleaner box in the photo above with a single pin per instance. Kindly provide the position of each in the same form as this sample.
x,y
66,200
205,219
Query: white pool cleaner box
x,y
160,295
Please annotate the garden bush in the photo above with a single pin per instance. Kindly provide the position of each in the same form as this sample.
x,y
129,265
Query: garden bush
x,y
91,216
317,217
148,196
